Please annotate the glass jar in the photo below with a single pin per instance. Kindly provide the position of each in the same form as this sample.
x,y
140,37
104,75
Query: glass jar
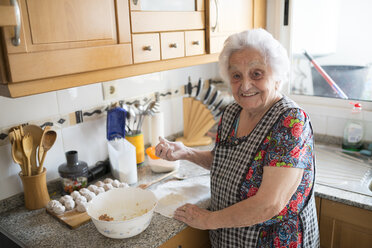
x,y
74,173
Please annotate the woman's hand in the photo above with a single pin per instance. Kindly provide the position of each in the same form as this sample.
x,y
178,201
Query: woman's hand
x,y
170,151
193,216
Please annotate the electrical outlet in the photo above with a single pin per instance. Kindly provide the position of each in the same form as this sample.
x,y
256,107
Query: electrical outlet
x,y
110,90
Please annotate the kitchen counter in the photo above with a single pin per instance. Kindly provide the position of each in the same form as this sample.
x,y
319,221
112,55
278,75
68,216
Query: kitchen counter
x,y
38,229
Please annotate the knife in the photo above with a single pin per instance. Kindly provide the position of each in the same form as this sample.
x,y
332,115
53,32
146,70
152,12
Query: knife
x,y
213,99
207,94
199,88
216,106
189,87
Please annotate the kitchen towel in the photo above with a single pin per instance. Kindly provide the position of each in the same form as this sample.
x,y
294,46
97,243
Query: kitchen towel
x,y
173,194
157,127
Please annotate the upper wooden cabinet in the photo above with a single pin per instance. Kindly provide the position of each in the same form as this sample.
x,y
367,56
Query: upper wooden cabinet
x,y
225,18
69,43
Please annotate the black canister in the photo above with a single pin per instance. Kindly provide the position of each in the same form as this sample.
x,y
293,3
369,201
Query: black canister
x,y
74,173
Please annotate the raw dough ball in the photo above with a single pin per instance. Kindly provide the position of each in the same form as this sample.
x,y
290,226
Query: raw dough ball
x,y
82,207
89,196
99,184
116,183
59,209
99,190
65,198
108,180
52,204
84,190
80,199
108,186
75,194
123,185
69,204
92,187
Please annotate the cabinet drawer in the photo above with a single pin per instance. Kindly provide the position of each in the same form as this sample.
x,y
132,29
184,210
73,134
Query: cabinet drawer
x,y
172,45
194,42
146,47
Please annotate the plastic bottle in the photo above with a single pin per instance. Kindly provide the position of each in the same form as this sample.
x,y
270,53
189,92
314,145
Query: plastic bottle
x,y
354,130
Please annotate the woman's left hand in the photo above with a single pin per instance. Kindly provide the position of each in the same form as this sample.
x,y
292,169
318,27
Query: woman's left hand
x,y
193,216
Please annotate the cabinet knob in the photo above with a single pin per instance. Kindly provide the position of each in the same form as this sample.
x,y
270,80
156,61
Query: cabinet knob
x,y
147,48
196,43
173,45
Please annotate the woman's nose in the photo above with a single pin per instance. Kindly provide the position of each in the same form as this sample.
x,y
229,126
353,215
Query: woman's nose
x,y
246,85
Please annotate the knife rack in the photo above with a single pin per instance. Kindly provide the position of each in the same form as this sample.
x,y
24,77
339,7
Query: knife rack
x,y
197,120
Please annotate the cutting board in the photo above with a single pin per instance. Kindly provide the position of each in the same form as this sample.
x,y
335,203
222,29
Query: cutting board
x,y
73,219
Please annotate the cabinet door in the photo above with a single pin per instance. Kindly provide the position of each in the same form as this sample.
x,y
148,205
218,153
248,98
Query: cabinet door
x,y
87,33
343,226
225,17
189,238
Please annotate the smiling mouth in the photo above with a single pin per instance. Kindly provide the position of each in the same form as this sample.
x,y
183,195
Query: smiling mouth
x,y
249,94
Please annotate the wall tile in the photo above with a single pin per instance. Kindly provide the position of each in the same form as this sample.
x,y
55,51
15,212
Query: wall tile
x,y
10,183
89,139
78,98
14,111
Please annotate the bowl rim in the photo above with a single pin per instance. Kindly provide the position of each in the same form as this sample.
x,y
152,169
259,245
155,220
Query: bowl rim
x,y
125,221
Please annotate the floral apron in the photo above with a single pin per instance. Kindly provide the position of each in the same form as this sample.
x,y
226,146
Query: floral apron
x,y
230,166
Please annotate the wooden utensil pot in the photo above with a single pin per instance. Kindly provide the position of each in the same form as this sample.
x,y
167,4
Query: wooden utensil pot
x,y
35,190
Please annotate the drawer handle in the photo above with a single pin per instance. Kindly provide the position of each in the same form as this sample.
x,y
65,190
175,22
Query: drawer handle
x,y
16,40
196,43
173,45
147,48
135,2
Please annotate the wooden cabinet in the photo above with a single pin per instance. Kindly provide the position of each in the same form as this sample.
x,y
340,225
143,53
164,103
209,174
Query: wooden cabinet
x,y
67,37
69,43
343,226
189,238
225,18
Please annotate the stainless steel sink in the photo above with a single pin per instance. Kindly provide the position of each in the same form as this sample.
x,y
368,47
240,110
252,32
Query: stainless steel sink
x,y
339,170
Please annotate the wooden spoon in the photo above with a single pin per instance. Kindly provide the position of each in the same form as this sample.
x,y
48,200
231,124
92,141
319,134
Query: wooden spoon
x,y
17,152
27,144
36,132
146,185
47,141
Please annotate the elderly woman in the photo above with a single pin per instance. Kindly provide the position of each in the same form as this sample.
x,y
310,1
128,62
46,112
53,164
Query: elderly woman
x,y
262,166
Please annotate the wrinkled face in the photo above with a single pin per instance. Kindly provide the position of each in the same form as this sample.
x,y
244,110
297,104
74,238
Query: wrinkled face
x,y
251,80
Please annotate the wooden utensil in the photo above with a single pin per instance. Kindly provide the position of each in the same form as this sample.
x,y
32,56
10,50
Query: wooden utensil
x,y
18,152
47,141
27,143
146,185
41,149
36,132
15,156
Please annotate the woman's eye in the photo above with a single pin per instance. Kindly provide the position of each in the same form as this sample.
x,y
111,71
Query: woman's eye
x,y
236,76
257,75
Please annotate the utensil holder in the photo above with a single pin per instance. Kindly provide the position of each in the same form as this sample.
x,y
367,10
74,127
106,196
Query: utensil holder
x,y
136,139
35,190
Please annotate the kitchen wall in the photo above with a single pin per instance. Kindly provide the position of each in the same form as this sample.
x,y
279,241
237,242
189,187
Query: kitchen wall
x,y
89,137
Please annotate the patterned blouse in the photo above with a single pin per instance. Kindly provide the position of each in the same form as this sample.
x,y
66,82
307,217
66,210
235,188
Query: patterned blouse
x,y
289,144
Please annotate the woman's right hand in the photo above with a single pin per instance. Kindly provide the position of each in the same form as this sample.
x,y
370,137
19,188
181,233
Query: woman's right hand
x,y
170,151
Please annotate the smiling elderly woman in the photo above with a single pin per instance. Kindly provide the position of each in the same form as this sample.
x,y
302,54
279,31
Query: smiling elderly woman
x,y
262,166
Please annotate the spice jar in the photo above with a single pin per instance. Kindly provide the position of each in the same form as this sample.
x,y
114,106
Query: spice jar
x,y
74,173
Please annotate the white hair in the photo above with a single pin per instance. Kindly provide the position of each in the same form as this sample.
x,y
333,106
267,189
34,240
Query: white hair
x,y
274,53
